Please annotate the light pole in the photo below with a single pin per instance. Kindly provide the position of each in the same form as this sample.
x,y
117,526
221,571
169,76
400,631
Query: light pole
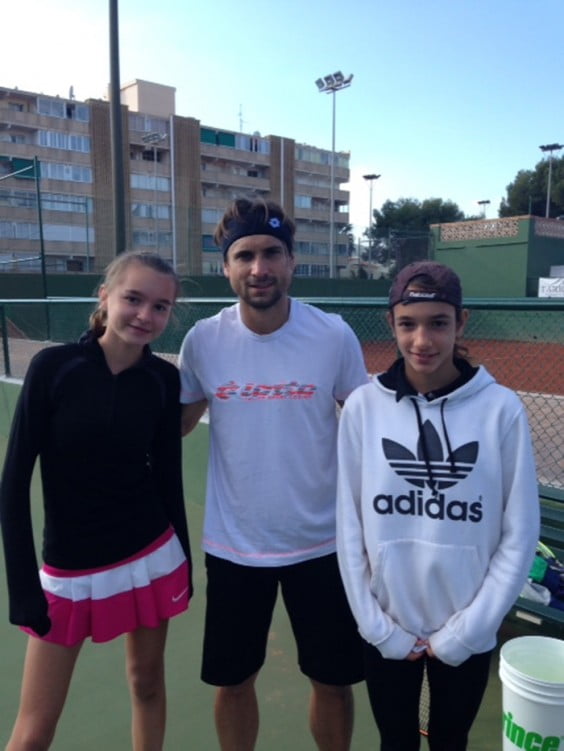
x,y
371,179
550,147
483,204
154,139
116,131
331,84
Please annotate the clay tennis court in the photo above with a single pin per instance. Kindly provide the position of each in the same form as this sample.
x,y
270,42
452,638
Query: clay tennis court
x,y
536,367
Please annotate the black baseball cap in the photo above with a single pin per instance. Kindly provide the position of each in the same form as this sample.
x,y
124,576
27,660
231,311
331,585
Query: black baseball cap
x,y
445,286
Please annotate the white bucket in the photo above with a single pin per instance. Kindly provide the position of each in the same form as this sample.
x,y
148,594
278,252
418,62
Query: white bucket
x,y
531,669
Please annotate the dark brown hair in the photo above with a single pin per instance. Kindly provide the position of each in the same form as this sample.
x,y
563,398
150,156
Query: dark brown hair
x,y
426,283
246,217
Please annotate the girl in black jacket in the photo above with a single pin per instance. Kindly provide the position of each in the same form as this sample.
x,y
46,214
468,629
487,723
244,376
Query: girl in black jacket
x,y
103,416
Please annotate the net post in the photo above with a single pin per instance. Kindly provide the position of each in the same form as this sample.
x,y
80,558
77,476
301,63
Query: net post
x,y
5,347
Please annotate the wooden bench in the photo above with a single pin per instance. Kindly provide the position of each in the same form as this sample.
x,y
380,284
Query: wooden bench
x,y
552,534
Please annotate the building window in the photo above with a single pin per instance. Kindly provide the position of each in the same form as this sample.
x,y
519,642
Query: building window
x,y
79,112
63,109
320,249
66,233
71,172
49,201
320,270
211,216
302,202
314,269
148,182
147,124
302,269
317,181
208,244
51,107
18,198
318,156
51,232
54,139
212,268
149,155
145,239
72,203
13,138
147,210
254,143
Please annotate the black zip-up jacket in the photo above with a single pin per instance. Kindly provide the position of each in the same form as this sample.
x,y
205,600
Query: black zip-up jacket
x,y
110,455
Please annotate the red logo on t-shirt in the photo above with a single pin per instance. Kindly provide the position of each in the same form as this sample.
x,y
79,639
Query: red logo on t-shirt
x,y
261,391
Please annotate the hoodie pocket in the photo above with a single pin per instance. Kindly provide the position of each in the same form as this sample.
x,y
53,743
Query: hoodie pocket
x,y
421,584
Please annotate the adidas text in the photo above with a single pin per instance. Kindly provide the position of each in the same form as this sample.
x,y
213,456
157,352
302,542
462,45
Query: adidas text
x,y
415,504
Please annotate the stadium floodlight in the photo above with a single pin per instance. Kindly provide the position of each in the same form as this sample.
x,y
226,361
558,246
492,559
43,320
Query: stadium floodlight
x,y
483,204
550,148
334,82
331,84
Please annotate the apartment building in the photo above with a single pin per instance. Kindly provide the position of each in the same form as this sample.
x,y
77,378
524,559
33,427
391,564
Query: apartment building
x,y
179,177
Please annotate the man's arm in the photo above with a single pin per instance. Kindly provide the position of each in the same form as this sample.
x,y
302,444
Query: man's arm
x,y
191,414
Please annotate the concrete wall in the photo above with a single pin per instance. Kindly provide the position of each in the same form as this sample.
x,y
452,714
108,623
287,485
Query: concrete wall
x,y
500,257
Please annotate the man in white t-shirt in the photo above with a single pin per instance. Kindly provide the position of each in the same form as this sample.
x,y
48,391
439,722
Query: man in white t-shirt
x,y
271,370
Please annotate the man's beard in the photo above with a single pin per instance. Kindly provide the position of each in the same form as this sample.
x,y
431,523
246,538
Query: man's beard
x,y
263,303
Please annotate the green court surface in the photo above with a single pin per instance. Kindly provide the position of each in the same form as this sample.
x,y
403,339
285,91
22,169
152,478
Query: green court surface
x,y
96,715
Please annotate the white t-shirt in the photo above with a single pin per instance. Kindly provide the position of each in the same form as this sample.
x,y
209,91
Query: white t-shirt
x,y
271,486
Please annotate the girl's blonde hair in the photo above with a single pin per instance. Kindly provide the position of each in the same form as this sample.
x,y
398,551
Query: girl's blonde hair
x,y
114,272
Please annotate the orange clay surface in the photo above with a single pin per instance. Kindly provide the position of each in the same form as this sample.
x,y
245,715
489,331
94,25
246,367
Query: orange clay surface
x,y
523,366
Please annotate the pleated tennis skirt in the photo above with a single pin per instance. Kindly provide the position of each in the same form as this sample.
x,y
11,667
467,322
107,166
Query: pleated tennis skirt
x,y
103,603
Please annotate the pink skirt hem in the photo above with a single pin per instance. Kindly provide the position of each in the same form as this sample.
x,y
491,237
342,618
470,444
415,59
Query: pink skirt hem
x,y
102,605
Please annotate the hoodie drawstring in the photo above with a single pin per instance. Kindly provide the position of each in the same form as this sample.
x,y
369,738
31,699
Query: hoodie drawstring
x,y
425,448
450,456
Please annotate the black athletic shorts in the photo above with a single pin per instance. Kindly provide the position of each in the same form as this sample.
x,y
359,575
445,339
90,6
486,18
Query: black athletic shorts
x,y
240,603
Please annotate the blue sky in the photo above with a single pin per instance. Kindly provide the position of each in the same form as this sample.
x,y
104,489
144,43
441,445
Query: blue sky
x,y
450,98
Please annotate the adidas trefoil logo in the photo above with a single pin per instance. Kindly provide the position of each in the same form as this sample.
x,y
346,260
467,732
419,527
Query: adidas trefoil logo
x,y
435,472
445,471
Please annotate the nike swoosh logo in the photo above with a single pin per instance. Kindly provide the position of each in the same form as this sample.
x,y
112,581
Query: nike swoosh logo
x,y
176,598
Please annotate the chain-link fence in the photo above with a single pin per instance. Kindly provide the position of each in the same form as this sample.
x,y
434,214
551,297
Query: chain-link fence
x,y
521,342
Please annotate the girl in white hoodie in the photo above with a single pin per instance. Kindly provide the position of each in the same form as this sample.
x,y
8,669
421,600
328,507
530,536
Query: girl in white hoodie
x,y
437,516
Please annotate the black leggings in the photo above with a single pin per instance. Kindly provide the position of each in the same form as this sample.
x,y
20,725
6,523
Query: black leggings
x,y
394,688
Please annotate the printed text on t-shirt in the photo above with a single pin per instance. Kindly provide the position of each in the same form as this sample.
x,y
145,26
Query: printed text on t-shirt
x,y
261,391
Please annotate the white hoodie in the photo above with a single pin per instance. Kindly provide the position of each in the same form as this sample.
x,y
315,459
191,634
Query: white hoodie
x,y
437,515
